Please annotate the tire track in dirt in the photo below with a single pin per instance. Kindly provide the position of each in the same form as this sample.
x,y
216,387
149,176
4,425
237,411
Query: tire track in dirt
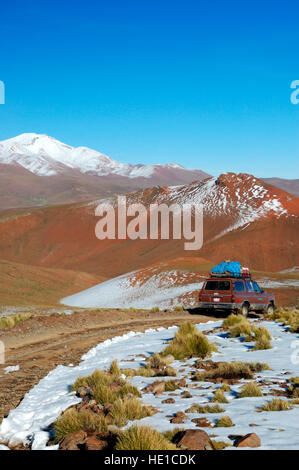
x,y
41,343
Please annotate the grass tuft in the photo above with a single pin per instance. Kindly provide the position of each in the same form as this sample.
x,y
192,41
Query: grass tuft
x,y
224,422
142,438
12,320
195,408
189,342
72,420
128,409
250,389
277,404
219,396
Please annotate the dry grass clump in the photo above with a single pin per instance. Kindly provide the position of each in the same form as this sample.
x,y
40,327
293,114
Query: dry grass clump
x,y
155,309
225,387
156,366
104,387
231,371
287,316
243,329
219,396
128,409
12,320
224,422
277,404
189,342
73,420
250,389
220,445
178,308
293,387
142,438
233,320
172,385
195,408
114,369
262,343
239,326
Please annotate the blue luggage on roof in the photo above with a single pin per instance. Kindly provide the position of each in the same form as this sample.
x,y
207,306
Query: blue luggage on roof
x,y
232,267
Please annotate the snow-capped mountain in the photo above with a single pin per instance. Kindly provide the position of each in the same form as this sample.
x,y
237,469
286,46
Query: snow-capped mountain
x,y
46,156
39,170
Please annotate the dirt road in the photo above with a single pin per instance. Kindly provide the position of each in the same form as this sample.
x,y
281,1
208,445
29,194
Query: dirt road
x,y
41,343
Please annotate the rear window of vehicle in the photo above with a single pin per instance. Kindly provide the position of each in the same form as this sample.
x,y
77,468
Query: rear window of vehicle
x,y
217,285
239,286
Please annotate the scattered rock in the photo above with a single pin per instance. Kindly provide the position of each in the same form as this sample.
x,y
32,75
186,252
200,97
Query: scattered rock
x,y
72,440
156,388
169,400
250,440
93,443
193,439
179,418
186,395
202,422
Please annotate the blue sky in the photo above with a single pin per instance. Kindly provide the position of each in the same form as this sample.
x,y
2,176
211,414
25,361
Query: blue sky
x,y
203,84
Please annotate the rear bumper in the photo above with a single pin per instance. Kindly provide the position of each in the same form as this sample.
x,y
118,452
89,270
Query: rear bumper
x,y
219,306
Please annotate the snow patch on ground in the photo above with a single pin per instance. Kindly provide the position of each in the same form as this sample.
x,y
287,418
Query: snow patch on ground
x,y
278,430
158,290
10,369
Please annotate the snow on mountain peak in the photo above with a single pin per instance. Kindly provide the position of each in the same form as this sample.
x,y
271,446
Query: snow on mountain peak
x,y
46,156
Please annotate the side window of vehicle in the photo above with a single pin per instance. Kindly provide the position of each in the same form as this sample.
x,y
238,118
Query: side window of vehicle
x,y
256,287
249,286
239,286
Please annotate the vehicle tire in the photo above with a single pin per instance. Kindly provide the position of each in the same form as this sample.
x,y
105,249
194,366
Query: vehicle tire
x,y
245,310
270,309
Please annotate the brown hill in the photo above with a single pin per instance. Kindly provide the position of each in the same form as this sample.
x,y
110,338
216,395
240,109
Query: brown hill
x,y
244,219
22,285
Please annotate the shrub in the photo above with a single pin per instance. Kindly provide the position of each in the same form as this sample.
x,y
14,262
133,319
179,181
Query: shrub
x,y
224,422
231,371
219,396
251,389
205,409
155,309
104,387
277,404
172,385
72,420
178,308
262,343
287,316
114,369
142,438
225,388
242,329
233,320
128,409
220,445
12,320
189,342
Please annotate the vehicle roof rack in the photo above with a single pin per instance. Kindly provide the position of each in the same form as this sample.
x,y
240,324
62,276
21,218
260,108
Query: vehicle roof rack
x,y
234,275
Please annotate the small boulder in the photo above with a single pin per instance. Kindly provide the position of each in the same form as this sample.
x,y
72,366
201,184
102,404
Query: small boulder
x,y
92,443
169,400
72,440
186,394
156,388
250,440
201,422
193,439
